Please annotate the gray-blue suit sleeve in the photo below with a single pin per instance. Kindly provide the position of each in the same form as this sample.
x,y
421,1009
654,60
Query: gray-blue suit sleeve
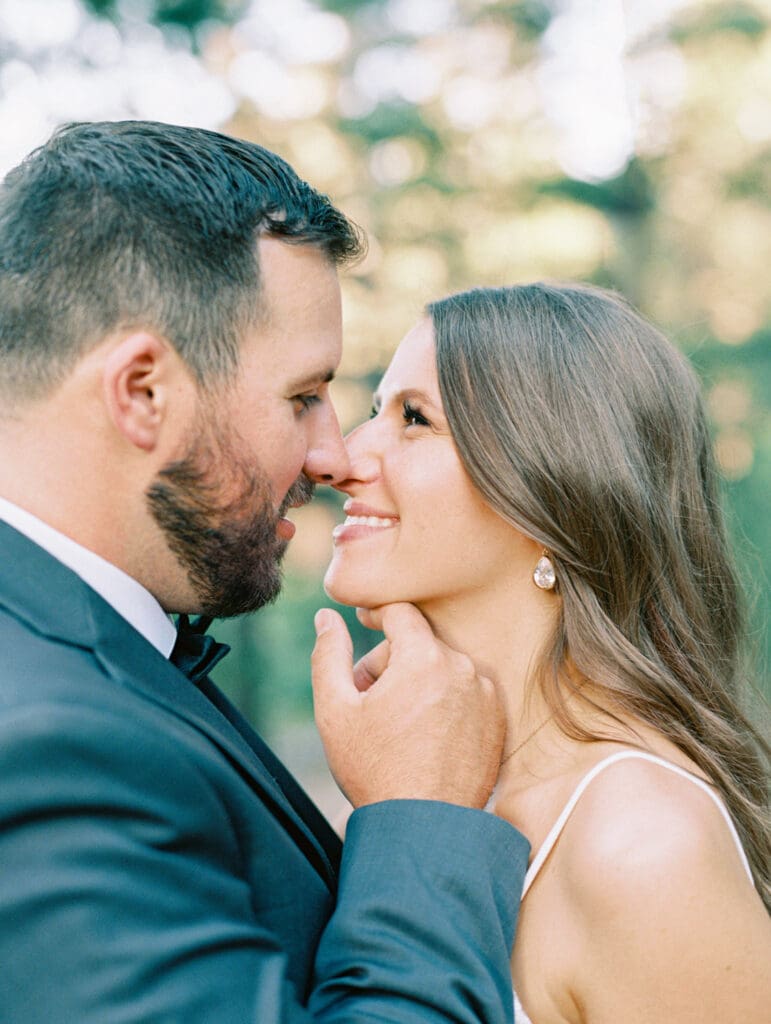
x,y
425,919
124,897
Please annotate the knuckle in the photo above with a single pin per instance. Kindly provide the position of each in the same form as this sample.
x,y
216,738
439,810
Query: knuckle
x,y
466,666
433,657
463,668
486,685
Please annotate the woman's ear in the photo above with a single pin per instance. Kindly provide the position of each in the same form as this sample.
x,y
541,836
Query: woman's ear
x,y
137,380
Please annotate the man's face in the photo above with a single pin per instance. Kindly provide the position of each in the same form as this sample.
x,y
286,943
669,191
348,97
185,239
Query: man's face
x,y
231,547
260,443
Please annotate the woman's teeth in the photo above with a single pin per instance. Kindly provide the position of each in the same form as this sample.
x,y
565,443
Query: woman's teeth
x,y
368,521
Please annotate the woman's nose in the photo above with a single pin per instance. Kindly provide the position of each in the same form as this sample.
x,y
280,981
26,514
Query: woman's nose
x,y
363,460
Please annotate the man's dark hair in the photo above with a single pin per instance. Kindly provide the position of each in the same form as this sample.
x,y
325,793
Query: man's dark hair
x,y
140,224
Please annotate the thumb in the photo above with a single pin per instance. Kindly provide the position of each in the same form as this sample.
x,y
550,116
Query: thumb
x,y
332,658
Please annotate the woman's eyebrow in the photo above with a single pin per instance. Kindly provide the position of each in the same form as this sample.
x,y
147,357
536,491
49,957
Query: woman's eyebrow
x,y
403,395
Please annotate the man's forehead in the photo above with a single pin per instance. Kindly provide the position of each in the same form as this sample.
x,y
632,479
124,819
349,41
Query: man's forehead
x,y
284,266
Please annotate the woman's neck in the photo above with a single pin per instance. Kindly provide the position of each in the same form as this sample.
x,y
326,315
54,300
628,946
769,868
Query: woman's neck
x,y
505,635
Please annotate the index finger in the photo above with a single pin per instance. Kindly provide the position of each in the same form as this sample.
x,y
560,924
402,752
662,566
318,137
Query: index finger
x,y
369,669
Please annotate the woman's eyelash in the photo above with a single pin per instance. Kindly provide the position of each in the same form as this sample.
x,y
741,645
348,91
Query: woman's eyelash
x,y
413,416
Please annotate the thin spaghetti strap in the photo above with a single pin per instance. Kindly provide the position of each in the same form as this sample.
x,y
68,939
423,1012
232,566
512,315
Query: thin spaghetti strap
x,y
554,833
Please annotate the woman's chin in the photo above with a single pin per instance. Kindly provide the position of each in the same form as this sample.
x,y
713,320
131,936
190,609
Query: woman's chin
x,y
353,590
342,590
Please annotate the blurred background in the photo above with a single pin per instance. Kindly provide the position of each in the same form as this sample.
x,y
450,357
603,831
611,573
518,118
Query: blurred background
x,y
623,142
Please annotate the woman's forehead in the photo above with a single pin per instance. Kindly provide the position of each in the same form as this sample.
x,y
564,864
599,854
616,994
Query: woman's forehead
x,y
413,366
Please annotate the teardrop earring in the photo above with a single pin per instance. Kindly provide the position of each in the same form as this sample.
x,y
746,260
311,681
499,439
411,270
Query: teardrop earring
x,y
544,575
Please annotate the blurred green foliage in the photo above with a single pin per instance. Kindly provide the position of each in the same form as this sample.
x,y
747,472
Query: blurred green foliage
x,y
187,13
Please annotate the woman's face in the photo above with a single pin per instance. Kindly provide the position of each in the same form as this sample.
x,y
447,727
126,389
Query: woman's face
x,y
417,530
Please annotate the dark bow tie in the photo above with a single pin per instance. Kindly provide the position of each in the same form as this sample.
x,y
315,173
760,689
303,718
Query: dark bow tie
x,y
194,653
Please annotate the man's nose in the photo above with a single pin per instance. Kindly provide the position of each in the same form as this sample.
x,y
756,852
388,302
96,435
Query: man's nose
x,y
327,460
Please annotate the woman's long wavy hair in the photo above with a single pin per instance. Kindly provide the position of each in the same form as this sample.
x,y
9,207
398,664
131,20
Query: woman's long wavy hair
x,y
582,426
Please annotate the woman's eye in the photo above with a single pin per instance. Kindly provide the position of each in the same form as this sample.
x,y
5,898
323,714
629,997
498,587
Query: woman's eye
x,y
373,412
414,417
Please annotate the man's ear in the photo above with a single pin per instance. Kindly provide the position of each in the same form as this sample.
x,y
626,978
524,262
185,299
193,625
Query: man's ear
x,y
137,379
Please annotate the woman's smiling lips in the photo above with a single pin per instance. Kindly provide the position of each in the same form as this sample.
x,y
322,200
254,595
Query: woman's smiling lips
x,y
362,521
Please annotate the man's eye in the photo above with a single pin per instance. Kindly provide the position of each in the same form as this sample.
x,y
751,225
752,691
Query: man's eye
x,y
305,402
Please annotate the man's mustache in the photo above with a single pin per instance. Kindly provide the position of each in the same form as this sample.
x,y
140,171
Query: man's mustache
x,y
300,493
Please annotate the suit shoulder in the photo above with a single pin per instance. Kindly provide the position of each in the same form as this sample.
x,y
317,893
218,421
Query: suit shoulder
x,y
35,666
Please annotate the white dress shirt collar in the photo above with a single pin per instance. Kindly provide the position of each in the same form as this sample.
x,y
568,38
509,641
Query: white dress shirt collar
x,y
129,598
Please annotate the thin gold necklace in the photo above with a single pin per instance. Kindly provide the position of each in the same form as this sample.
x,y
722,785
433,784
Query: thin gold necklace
x,y
526,740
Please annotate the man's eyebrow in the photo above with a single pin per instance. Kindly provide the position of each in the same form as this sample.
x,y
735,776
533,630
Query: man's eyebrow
x,y
313,380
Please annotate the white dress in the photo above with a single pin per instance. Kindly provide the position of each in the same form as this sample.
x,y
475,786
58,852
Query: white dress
x,y
520,1017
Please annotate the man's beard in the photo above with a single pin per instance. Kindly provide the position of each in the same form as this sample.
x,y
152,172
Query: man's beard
x,y
229,548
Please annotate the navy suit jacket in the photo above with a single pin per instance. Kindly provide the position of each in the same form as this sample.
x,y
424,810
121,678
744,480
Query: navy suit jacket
x,y
158,864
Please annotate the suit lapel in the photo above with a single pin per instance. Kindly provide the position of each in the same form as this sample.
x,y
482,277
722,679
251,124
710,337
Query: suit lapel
x,y
56,602
294,793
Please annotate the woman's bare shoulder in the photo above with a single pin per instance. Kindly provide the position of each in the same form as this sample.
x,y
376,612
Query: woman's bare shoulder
x,y
652,878
639,823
